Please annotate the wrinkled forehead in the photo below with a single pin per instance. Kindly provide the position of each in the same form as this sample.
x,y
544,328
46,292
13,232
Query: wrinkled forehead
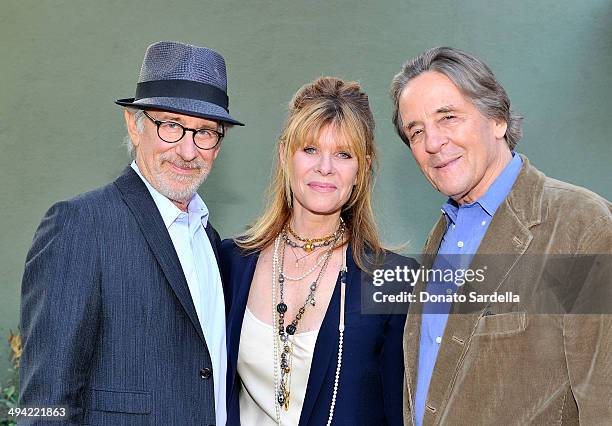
x,y
428,93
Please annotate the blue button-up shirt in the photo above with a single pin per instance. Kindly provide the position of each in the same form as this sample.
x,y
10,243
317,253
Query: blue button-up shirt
x,y
466,226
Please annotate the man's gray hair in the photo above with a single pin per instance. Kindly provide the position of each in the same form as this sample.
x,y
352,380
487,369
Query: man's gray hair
x,y
471,76
127,140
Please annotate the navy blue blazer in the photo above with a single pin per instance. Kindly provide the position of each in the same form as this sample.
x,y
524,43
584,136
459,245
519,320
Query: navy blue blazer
x,y
108,324
371,378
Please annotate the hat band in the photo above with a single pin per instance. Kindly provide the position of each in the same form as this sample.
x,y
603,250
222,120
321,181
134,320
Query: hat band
x,y
182,89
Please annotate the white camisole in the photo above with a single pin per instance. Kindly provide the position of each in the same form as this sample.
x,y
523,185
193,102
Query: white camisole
x,y
256,369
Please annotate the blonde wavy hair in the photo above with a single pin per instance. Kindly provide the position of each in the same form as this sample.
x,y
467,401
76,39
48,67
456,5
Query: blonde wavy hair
x,y
341,104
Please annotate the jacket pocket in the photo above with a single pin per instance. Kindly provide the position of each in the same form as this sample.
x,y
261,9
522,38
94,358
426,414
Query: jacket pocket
x,y
120,401
501,324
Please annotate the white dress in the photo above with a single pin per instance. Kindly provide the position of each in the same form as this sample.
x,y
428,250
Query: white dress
x,y
256,369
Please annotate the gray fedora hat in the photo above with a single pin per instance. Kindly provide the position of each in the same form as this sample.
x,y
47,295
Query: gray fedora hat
x,y
182,78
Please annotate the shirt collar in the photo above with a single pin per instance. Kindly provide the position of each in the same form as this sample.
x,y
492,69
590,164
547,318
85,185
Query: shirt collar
x,y
494,196
197,210
169,212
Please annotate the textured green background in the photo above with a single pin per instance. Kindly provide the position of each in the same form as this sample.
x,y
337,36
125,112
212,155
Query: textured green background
x,y
64,62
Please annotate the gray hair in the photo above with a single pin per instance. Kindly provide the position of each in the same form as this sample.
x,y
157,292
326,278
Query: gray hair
x,y
127,140
471,76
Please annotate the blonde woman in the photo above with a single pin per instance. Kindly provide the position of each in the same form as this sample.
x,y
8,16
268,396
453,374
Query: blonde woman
x,y
300,349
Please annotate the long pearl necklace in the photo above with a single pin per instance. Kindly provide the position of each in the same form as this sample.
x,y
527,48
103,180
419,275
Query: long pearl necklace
x,y
343,271
274,321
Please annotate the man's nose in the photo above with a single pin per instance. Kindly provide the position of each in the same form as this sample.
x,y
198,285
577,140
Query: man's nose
x,y
434,140
186,148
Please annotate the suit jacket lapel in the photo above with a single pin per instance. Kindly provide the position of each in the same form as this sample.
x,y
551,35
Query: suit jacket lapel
x,y
502,246
507,237
214,240
141,204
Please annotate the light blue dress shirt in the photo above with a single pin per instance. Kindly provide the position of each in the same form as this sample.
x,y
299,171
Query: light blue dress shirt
x,y
466,226
199,265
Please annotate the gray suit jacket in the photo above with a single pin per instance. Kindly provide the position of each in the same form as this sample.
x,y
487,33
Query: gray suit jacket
x,y
109,327
546,359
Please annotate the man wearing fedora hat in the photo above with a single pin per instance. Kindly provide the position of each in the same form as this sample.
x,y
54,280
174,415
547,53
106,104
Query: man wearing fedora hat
x,y
123,312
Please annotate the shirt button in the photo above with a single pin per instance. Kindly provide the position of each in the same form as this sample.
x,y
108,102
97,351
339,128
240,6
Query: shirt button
x,y
453,226
206,373
438,340
460,244
483,223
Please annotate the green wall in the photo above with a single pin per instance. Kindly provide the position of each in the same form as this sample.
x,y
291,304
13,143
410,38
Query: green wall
x,y
64,63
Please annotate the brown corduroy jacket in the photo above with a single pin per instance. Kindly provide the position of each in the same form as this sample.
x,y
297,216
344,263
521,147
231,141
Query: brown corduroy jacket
x,y
546,359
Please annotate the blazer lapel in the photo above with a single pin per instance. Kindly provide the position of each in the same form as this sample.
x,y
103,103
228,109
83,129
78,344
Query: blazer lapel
x,y
501,248
326,348
507,237
236,317
412,330
143,208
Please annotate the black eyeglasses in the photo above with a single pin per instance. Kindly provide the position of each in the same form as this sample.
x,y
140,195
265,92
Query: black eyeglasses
x,y
172,132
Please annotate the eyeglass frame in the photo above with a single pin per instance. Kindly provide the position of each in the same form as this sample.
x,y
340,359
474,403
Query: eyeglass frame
x,y
158,124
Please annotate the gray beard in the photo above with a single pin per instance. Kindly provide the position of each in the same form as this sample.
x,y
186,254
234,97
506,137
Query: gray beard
x,y
186,193
191,184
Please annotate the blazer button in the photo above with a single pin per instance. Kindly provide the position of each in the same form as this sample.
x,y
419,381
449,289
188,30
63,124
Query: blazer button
x,y
206,373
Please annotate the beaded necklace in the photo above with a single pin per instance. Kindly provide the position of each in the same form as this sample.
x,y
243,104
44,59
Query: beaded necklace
x,y
282,384
291,329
